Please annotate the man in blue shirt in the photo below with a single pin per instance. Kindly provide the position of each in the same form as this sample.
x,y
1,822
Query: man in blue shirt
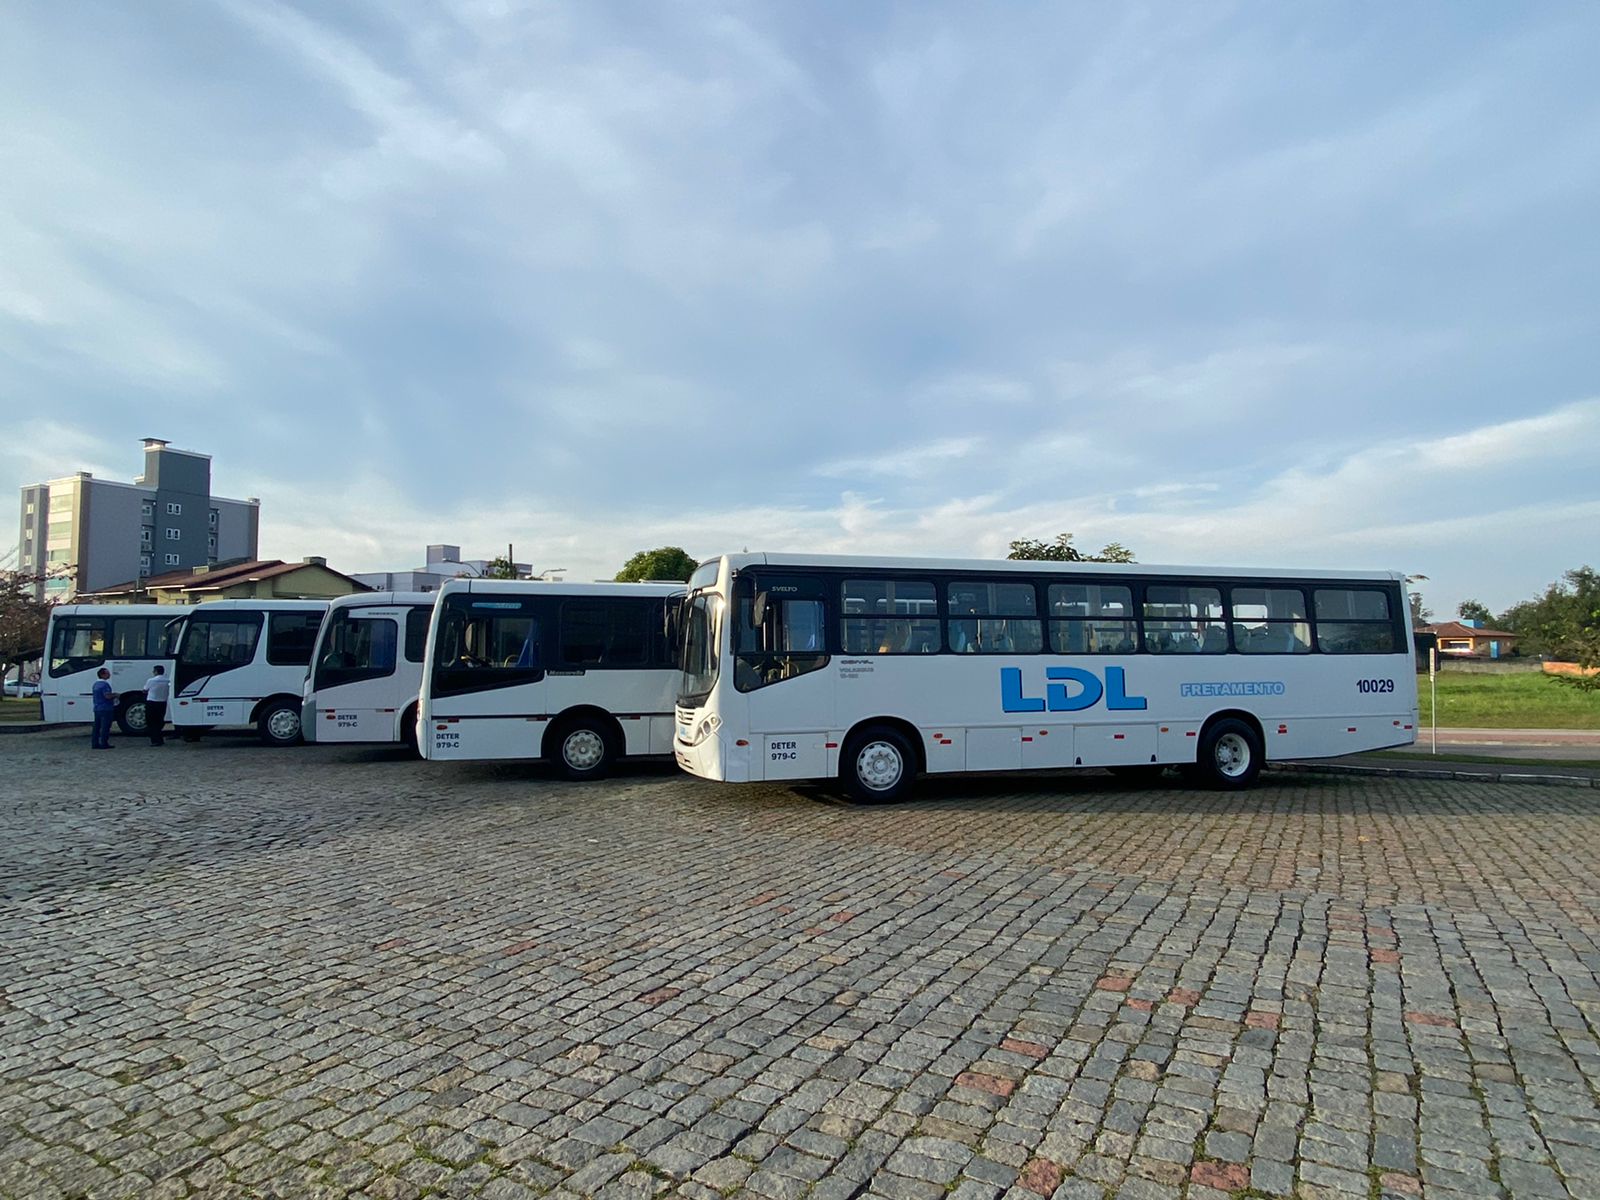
x,y
105,707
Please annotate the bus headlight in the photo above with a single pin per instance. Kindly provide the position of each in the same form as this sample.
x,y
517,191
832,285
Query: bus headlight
x,y
705,729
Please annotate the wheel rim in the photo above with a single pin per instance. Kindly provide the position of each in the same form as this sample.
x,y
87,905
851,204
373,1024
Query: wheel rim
x,y
583,749
1232,755
879,766
134,716
284,725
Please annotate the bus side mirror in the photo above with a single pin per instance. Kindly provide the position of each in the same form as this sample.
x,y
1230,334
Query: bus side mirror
x,y
758,611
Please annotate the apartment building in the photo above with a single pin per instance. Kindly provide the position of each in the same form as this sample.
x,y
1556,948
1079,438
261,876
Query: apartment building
x,y
100,532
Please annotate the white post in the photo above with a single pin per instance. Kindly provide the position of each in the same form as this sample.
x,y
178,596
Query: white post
x,y
1433,691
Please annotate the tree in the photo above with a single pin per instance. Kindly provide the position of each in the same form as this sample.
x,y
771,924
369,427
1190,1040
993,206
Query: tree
x,y
664,562
1421,614
23,621
1471,610
1563,623
1062,550
500,568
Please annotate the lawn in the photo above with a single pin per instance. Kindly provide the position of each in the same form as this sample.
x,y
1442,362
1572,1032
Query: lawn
x,y
1522,701
15,711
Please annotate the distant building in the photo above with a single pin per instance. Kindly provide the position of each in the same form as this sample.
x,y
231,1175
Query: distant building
x,y
1463,639
272,579
444,562
108,531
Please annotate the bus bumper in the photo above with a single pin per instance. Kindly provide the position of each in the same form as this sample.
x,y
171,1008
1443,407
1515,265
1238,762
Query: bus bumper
x,y
712,758
308,720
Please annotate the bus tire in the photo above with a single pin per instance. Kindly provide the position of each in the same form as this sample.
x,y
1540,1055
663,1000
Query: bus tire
x,y
191,733
131,718
279,724
408,732
878,766
583,748
1230,755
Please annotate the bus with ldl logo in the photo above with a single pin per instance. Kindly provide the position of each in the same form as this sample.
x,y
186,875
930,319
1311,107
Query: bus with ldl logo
x,y
874,671
241,664
366,670
580,674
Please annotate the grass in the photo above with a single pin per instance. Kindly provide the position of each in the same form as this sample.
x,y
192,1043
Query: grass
x,y
1448,754
1523,701
14,711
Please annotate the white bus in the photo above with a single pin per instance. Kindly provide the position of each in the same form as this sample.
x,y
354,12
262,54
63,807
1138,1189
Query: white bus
x,y
366,671
129,639
874,670
580,674
242,663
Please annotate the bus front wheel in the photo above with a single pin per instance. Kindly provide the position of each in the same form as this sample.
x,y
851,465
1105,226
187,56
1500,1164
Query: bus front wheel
x,y
132,718
878,767
279,724
584,749
1230,754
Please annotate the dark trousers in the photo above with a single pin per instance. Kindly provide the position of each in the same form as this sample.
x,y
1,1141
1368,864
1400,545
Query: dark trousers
x,y
100,735
155,712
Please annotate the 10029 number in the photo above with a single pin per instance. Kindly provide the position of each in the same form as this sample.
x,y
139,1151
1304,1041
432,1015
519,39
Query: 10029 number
x,y
1374,685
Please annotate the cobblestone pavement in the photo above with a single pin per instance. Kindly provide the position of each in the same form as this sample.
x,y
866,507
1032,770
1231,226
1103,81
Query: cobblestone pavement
x,y
232,971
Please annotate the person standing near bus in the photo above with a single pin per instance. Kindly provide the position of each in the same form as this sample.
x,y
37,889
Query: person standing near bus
x,y
105,707
156,690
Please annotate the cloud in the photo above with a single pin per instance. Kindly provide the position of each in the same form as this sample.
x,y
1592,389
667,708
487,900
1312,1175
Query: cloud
x,y
910,462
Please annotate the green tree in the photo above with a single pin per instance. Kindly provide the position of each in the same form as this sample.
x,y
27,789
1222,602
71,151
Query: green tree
x,y
1421,614
1062,550
1471,610
1563,624
664,562
500,568
23,621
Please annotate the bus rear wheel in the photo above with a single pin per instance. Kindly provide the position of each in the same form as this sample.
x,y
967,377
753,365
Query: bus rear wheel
x,y
279,724
132,719
878,766
1230,755
584,749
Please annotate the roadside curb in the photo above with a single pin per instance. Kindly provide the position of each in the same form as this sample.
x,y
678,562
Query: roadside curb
x,y
18,727
1542,778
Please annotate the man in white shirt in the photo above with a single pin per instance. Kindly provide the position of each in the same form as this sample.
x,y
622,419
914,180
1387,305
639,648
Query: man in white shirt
x,y
156,690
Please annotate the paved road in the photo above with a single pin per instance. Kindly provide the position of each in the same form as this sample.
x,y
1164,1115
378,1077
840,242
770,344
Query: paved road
x,y
228,971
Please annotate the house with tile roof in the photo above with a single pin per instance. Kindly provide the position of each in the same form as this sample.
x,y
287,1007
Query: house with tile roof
x,y
238,579
1462,639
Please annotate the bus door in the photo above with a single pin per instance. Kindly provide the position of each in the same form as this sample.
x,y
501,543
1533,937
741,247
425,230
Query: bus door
x,y
488,694
779,655
354,678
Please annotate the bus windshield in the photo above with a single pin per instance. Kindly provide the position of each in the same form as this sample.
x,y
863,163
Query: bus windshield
x,y
699,649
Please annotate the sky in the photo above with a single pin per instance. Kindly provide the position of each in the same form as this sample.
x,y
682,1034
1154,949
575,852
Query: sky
x,y
1235,284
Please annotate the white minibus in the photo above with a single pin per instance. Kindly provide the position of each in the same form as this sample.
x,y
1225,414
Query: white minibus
x,y
129,639
242,664
580,674
366,670
875,670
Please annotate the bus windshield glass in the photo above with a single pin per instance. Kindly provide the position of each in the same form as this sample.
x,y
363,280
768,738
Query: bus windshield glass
x,y
699,648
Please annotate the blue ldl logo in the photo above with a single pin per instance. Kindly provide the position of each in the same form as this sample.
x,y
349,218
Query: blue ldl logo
x,y
1074,690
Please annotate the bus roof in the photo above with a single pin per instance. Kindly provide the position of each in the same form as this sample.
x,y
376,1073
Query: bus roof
x,y
382,599
741,561
112,610
539,587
